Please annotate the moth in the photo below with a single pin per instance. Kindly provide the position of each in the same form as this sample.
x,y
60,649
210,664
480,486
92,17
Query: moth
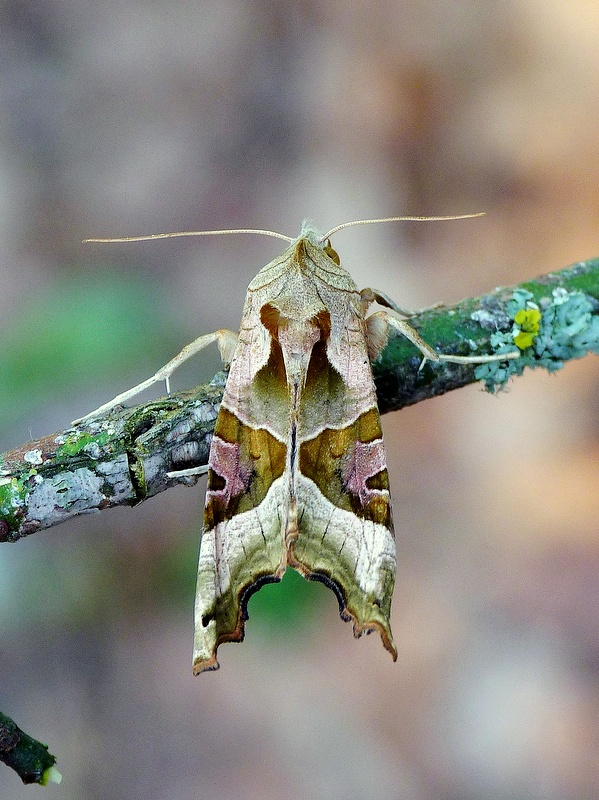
x,y
297,473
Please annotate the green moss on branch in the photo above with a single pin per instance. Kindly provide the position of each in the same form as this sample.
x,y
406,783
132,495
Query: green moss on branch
x,y
29,758
123,457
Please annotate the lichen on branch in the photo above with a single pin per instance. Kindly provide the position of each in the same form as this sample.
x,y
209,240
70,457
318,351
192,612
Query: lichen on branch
x,y
124,456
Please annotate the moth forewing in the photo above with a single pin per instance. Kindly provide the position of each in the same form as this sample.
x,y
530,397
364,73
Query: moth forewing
x,y
297,473
297,470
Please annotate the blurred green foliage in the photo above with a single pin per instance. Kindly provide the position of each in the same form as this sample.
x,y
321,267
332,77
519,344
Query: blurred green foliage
x,y
288,606
78,330
105,578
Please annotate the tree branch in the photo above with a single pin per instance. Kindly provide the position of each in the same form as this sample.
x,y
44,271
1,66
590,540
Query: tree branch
x,y
29,758
123,457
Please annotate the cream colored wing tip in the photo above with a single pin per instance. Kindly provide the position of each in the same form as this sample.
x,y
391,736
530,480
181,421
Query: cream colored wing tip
x,y
201,665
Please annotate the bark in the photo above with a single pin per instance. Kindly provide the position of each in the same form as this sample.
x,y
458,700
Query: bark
x,y
29,758
122,457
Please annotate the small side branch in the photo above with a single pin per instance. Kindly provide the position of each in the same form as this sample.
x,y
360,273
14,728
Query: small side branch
x,y
29,758
552,319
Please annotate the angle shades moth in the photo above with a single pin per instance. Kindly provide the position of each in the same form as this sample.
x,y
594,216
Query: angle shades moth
x,y
297,473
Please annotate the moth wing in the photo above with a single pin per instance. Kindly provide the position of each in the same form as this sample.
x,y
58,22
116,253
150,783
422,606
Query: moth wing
x,y
242,545
345,530
247,498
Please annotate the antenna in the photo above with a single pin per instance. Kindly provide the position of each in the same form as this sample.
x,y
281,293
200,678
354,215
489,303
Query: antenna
x,y
289,239
397,219
150,236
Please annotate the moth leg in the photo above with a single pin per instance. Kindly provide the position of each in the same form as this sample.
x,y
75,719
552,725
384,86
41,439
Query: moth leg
x,y
376,296
378,324
227,341
191,472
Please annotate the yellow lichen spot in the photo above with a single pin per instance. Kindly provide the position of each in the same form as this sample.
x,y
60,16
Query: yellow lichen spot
x,y
528,322
524,340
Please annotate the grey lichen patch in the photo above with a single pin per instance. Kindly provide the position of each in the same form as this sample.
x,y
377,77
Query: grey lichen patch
x,y
185,455
149,471
118,487
179,431
205,412
570,328
550,331
93,450
491,315
64,495
34,457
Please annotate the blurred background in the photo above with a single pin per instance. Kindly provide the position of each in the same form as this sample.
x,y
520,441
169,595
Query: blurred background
x,y
148,116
